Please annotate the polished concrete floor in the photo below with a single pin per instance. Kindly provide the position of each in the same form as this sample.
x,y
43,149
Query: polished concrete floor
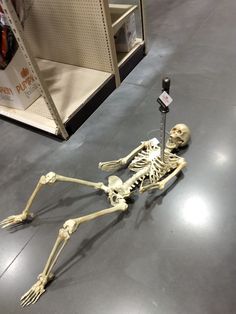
x,y
174,252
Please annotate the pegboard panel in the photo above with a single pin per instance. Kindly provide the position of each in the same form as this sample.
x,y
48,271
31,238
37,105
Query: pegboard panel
x,y
73,32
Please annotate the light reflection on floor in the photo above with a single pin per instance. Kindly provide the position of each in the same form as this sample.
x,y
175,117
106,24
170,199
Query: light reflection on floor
x,y
196,212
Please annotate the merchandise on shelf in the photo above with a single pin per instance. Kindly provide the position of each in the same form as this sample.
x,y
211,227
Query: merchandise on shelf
x,y
8,43
126,36
18,88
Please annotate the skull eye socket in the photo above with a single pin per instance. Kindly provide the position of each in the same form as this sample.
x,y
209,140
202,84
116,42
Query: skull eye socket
x,y
179,131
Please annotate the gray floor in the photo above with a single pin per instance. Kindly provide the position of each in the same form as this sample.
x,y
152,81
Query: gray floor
x,y
174,252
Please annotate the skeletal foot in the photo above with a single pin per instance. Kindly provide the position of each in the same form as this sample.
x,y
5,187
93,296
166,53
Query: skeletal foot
x,y
15,219
111,165
35,292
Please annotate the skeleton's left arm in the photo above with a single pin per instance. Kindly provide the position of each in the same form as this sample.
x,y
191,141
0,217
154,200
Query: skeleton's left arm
x,y
181,165
161,184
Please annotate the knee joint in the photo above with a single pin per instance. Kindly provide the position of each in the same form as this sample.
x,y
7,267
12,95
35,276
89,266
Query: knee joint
x,y
49,178
70,226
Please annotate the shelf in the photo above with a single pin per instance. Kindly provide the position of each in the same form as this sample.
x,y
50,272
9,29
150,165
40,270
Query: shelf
x,y
30,118
123,56
120,14
80,77
71,87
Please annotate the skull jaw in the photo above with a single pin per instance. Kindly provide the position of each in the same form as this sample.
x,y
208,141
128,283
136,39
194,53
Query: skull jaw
x,y
173,143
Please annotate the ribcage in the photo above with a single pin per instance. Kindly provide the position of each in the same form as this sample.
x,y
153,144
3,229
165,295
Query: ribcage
x,y
145,157
157,169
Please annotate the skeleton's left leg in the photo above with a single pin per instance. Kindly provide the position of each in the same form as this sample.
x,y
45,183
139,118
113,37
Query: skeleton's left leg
x,y
69,227
49,179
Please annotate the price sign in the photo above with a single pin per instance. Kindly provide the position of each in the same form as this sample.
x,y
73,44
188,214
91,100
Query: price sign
x,y
166,99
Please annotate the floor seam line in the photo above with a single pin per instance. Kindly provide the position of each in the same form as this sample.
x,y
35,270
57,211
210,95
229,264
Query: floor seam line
x,y
5,270
128,83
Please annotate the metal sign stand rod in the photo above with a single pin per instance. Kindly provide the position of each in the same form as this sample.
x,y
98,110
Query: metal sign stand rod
x,y
164,109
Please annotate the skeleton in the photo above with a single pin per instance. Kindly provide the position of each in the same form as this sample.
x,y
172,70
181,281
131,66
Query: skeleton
x,y
150,173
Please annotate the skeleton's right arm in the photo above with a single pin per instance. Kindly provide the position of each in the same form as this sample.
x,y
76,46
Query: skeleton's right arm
x,y
114,165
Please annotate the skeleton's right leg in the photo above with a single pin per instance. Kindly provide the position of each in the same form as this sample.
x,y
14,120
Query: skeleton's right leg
x,y
69,227
48,179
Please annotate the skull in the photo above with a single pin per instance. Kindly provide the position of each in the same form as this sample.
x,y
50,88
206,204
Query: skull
x,y
179,136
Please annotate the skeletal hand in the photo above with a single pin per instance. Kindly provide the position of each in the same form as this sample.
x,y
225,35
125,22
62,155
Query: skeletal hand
x,y
112,165
34,293
159,185
13,220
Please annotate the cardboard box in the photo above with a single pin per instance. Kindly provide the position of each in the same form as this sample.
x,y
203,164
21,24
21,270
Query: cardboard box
x,y
126,36
18,88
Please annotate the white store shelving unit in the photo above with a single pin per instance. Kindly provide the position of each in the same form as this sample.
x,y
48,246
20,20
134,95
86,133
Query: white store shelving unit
x,y
120,14
122,57
72,56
